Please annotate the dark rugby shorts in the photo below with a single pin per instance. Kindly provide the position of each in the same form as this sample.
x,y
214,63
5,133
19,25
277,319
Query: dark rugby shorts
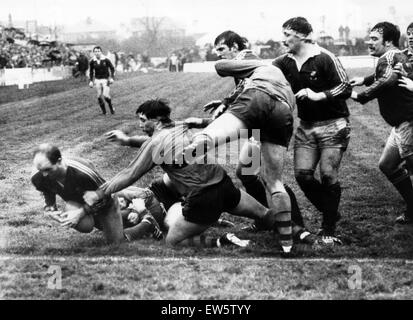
x,y
163,194
258,110
205,205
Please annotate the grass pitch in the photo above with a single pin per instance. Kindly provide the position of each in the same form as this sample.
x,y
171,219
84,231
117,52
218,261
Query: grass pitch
x,y
66,113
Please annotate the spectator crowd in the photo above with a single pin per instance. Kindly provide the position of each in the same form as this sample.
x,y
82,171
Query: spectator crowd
x,y
19,51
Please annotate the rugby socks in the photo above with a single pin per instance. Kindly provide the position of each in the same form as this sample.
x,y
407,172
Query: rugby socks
x,y
109,102
311,187
201,241
401,181
102,105
296,215
280,218
331,202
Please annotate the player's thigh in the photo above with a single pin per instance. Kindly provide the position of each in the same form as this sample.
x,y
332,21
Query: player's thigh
x,y
98,87
225,128
390,157
248,207
106,90
305,158
330,160
249,161
180,229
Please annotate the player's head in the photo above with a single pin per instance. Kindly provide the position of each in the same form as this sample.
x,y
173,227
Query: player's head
x,y
97,51
409,33
153,111
228,44
296,31
47,159
123,203
383,36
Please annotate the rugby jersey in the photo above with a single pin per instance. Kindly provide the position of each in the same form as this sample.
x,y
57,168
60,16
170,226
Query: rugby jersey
x,y
165,148
255,74
99,69
395,103
322,72
81,176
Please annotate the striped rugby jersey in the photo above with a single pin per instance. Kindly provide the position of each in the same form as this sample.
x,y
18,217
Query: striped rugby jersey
x,y
81,176
322,72
395,103
165,148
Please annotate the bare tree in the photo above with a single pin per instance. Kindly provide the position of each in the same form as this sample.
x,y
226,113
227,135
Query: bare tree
x,y
152,32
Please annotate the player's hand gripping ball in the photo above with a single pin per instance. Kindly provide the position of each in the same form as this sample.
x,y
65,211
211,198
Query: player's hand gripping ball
x,y
85,224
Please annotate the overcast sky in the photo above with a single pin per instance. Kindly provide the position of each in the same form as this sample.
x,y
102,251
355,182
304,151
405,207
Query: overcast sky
x,y
245,16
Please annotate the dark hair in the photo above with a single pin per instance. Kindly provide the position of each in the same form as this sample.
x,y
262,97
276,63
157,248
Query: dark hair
x,y
155,108
298,24
230,38
390,32
51,152
410,26
97,47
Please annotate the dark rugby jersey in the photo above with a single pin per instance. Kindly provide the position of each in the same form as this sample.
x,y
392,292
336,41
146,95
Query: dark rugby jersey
x,y
395,103
165,148
99,69
322,72
81,176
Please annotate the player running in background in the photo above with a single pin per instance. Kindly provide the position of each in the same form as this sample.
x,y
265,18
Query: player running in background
x,y
262,100
321,87
101,73
396,108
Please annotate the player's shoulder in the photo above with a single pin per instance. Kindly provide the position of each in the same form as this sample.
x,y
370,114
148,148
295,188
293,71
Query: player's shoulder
x,y
83,168
282,58
392,55
80,166
326,55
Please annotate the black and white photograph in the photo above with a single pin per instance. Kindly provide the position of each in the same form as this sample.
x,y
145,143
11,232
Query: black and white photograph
x,y
211,151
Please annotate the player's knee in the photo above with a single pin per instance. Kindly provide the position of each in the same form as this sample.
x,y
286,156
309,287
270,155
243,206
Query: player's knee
x,y
304,176
328,178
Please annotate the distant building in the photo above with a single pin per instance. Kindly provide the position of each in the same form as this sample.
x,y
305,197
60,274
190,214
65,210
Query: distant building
x,y
85,31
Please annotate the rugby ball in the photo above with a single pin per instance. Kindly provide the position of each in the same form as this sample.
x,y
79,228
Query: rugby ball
x,y
85,224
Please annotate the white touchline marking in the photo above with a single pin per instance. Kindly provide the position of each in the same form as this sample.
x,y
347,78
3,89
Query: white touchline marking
x,y
170,259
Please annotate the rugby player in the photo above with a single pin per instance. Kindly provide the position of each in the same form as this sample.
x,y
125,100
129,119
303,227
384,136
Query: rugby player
x,y
206,188
255,187
395,104
101,73
70,178
406,69
262,100
321,87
